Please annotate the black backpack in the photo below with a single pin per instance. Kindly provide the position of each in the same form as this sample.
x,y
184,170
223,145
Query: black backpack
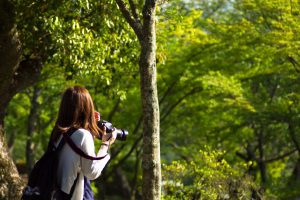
x,y
42,179
42,183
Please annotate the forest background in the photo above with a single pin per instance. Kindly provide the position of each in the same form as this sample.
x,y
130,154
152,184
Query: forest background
x,y
228,86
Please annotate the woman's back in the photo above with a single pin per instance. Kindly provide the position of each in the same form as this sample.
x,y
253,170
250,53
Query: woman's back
x,y
72,165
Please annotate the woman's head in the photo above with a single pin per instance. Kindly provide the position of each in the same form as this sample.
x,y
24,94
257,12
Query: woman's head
x,y
76,111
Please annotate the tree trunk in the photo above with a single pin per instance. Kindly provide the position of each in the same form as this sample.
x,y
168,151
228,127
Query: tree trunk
x,y
9,54
151,186
31,128
145,31
14,76
261,160
10,182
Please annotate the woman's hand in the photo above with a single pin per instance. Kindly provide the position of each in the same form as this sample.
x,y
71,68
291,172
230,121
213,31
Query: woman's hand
x,y
109,138
97,116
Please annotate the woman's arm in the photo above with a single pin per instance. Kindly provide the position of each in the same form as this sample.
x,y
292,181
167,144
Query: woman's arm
x,y
93,168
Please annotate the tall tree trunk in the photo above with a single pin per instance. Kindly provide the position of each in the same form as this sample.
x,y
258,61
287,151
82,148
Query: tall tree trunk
x,y
151,187
14,76
10,182
9,54
145,31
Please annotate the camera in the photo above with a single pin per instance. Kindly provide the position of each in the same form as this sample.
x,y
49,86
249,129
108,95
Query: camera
x,y
121,133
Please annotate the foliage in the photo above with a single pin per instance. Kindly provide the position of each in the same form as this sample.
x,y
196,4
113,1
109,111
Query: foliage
x,y
207,176
228,77
248,83
83,37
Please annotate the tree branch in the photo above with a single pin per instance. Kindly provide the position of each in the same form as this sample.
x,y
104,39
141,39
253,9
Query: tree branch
x,y
138,125
114,110
293,136
133,9
171,87
294,63
193,91
254,158
134,146
281,156
133,22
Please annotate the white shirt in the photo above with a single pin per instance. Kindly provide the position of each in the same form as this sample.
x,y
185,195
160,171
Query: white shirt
x,y
70,163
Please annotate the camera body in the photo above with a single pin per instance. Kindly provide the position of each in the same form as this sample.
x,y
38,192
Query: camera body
x,y
121,133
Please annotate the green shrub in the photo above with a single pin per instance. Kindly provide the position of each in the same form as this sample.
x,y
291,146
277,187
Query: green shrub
x,y
208,177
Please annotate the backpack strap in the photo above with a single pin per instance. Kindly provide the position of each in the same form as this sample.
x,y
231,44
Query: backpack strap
x,y
61,195
67,138
62,141
73,186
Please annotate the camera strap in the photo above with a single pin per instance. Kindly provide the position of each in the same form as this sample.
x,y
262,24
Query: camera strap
x,y
78,150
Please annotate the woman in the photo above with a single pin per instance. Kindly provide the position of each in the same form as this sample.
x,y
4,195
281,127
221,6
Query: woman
x,y
77,112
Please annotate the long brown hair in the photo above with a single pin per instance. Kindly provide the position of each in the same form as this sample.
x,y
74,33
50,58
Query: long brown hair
x,y
76,111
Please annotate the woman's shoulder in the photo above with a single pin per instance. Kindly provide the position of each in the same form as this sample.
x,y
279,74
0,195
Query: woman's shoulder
x,y
82,131
81,134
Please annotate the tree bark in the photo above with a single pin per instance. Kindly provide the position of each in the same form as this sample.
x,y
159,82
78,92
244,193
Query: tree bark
x,y
15,74
10,53
151,168
10,182
145,31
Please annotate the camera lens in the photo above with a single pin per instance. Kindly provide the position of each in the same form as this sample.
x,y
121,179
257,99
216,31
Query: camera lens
x,y
121,134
